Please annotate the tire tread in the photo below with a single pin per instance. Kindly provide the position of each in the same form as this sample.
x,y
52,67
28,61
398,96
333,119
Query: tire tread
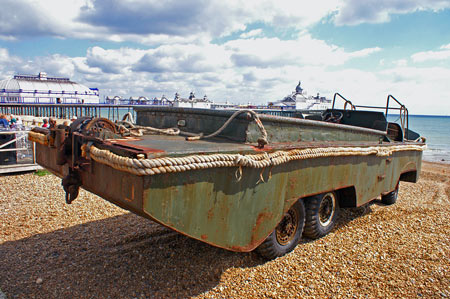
x,y
312,229
270,249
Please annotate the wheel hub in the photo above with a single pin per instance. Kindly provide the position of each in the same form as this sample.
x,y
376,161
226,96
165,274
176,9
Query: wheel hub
x,y
287,228
327,209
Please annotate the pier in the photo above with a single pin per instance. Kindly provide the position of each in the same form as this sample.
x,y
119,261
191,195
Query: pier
x,y
67,111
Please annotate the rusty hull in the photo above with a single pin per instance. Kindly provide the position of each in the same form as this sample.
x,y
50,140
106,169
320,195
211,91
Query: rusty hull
x,y
211,205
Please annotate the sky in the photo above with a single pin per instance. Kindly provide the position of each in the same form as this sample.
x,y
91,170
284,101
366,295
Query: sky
x,y
237,50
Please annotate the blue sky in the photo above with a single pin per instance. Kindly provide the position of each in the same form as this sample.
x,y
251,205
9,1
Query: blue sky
x,y
237,50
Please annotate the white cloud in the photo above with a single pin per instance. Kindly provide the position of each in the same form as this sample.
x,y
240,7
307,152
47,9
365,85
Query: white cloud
x,y
4,55
252,33
364,52
354,12
113,61
305,50
20,17
401,62
442,54
257,69
184,58
152,21
7,63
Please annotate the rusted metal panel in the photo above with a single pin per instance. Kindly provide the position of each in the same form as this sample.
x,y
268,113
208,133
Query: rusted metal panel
x,y
279,129
212,206
46,157
121,188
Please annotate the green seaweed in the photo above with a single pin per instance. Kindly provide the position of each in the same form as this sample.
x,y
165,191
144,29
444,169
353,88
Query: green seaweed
x,y
41,172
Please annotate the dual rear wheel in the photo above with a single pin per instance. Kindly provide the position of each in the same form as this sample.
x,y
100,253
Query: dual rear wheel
x,y
390,198
286,235
321,214
312,217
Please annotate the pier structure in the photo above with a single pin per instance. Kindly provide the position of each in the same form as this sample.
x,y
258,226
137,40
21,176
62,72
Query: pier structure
x,y
45,90
67,111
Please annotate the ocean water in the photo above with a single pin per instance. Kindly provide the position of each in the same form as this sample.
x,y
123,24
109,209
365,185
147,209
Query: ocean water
x,y
436,129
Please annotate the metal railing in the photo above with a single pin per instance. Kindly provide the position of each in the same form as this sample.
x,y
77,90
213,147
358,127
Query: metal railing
x,y
24,158
403,111
347,102
66,111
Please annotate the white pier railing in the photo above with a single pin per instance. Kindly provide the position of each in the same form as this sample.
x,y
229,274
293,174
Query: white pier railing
x,y
17,154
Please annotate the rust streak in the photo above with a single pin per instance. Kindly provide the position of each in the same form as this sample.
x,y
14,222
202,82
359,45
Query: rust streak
x,y
210,213
143,149
266,148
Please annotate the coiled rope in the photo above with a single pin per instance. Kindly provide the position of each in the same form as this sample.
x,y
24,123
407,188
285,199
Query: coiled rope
x,y
126,127
261,141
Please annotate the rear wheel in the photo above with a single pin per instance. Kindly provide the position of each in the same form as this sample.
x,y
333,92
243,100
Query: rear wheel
x,y
286,235
390,198
321,214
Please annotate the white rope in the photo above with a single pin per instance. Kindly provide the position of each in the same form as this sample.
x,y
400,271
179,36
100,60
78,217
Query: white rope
x,y
38,137
261,141
126,127
263,160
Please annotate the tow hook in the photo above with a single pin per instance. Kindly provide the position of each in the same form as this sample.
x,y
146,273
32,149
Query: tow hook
x,y
71,184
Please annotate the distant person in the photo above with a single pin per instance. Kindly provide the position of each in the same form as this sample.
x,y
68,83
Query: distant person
x,y
45,125
18,124
52,122
12,121
74,118
3,121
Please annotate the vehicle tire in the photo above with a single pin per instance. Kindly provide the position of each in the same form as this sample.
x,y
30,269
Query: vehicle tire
x,y
321,214
286,236
390,198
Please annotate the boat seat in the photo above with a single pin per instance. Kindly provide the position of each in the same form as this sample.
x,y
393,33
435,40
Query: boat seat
x,y
379,125
395,132
360,118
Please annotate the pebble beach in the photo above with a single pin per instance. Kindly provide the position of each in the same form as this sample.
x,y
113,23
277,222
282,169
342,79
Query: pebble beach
x,y
93,249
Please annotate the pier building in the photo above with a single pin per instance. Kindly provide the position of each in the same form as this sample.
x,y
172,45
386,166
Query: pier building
x,y
42,89
298,100
191,102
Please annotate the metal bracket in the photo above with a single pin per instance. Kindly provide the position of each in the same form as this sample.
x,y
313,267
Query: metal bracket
x,y
71,184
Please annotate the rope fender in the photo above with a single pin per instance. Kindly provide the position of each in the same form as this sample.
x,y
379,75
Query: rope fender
x,y
263,160
38,137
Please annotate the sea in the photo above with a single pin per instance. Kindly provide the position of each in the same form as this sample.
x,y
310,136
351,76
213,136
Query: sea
x,y
436,130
